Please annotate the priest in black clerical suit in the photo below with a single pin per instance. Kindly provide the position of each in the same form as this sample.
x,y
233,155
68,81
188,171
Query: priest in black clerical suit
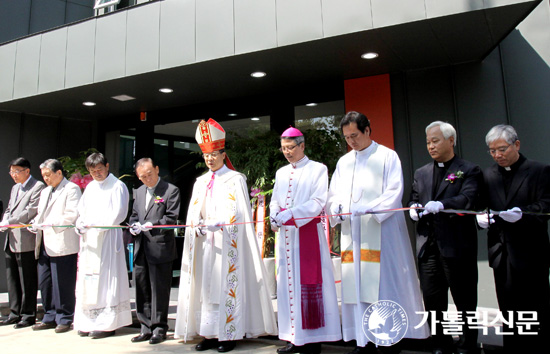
x,y
156,203
446,242
519,249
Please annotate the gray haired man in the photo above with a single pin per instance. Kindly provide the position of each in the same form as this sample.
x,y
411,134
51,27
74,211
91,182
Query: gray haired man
x,y
519,190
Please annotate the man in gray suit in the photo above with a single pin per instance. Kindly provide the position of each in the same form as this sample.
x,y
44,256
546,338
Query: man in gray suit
x,y
21,271
156,203
56,247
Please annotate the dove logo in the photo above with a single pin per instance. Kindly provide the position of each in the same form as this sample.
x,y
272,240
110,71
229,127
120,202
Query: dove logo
x,y
385,322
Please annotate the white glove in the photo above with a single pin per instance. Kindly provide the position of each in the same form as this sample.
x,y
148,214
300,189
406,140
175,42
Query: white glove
x,y
274,225
337,208
361,210
274,211
3,224
147,226
34,227
214,226
413,213
433,207
272,214
80,228
511,215
283,216
135,228
199,230
484,220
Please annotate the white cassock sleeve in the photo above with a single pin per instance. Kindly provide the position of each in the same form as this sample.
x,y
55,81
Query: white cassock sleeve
x,y
318,179
392,188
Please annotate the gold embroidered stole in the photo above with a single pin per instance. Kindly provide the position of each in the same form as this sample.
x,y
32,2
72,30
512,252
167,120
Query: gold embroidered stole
x,y
364,229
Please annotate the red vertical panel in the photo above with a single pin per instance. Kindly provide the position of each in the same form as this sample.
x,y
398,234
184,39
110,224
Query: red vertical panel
x,y
372,97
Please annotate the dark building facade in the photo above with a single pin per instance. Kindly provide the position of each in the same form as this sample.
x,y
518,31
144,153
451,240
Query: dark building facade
x,y
471,63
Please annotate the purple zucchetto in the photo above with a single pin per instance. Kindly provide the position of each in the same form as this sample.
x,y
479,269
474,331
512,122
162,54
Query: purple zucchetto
x,y
291,133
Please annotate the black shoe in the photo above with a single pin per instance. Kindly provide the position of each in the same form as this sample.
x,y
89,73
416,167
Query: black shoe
x,y
310,348
141,338
207,343
392,349
101,334
443,351
288,349
157,338
83,334
43,325
227,346
62,328
23,324
10,320
369,349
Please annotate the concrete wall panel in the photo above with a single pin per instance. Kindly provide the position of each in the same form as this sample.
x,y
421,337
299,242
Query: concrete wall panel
x,y
215,29
392,12
177,33
51,76
142,40
436,8
110,47
298,21
79,68
26,68
7,70
255,25
346,16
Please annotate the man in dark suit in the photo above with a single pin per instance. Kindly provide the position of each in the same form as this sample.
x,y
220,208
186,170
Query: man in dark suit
x,y
21,270
156,203
518,242
446,243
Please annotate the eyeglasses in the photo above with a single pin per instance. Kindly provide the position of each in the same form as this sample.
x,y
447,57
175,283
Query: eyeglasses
x,y
213,155
501,150
287,148
16,172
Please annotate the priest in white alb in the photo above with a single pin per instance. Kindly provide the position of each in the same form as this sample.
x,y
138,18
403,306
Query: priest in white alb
x,y
306,294
223,296
102,289
377,258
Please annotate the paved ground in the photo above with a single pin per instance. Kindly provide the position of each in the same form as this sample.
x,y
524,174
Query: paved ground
x,y
13,341
26,341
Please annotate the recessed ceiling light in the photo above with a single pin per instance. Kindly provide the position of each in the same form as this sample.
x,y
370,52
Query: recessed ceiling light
x,y
89,104
232,114
312,104
369,55
166,90
123,98
255,118
258,74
